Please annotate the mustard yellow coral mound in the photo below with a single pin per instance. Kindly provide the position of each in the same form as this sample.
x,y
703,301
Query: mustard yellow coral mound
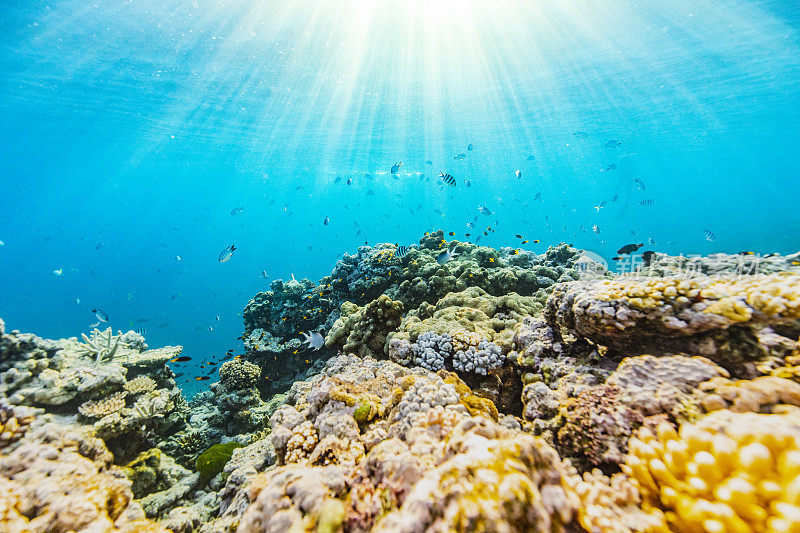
x,y
652,292
773,295
729,472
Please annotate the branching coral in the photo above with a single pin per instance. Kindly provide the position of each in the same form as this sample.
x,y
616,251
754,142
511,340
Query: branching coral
x,y
728,472
140,385
101,345
101,408
301,444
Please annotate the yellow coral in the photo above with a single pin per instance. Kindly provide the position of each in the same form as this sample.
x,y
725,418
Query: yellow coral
x,y
463,339
139,385
756,395
773,295
475,404
729,472
101,408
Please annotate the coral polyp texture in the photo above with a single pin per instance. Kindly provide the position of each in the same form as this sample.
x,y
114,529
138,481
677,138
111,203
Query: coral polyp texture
x,y
500,391
727,472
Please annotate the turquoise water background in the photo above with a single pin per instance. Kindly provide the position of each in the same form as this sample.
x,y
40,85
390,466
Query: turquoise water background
x,y
129,131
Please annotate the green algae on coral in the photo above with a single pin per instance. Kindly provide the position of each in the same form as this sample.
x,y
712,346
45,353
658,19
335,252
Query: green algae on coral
x,y
213,460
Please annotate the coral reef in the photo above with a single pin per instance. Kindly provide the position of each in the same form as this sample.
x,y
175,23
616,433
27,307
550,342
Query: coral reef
x,y
498,391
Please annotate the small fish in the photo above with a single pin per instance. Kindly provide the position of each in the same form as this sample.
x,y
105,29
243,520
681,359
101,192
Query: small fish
x,y
518,173
202,378
537,197
647,257
58,272
264,274
370,193
100,315
536,241
609,168
466,183
518,236
181,359
401,251
530,158
142,321
452,233
470,224
349,181
218,318
438,212
99,245
647,202
163,325
338,179
629,248
616,258
226,254
709,235
429,162
140,331
459,156
448,179
445,257
580,134
615,198
395,167
211,329
315,340
745,253
77,300
613,144
470,146
237,210
326,221
596,229
178,258
484,210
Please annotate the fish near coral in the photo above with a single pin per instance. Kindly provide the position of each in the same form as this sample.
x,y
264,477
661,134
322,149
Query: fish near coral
x,y
314,340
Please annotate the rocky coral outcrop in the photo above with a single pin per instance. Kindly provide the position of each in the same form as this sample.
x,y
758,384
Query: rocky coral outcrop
x,y
58,478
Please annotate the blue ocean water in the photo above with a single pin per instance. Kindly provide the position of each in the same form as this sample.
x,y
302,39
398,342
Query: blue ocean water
x,y
130,130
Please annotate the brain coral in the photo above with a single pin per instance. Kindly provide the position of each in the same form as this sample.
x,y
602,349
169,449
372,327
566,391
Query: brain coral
x,y
728,472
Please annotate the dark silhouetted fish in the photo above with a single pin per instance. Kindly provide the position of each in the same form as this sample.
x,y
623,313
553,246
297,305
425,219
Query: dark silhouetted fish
x,y
629,248
647,202
613,144
237,210
395,167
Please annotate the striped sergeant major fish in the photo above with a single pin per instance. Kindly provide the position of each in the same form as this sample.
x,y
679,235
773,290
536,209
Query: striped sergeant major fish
x,y
448,179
